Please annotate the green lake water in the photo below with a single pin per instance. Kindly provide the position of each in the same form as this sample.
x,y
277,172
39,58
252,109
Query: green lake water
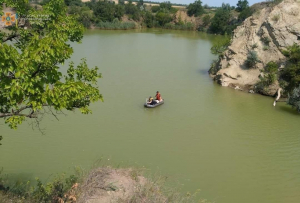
x,y
234,146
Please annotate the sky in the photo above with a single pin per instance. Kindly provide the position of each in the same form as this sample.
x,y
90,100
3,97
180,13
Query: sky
x,y
211,2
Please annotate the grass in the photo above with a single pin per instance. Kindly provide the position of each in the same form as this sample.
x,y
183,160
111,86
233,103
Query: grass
x,y
276,17
116,25
184,26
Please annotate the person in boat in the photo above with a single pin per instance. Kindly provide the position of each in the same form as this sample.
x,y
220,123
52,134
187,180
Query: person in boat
x,y
151,101
158,97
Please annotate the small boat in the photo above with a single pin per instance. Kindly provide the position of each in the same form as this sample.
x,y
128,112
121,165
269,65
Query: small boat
x,y
154,105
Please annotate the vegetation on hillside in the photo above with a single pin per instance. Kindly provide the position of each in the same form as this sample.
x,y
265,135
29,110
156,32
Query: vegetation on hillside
x,y
80,186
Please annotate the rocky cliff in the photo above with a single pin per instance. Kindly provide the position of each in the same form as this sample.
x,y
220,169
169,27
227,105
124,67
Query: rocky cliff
x,y
267,32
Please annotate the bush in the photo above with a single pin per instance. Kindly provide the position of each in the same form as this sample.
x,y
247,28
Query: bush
x,y
162,18
57,190
266,40
270,76
155,9
206,20
270,72
149,19
214,67
220,45
254,46
252,59
276,17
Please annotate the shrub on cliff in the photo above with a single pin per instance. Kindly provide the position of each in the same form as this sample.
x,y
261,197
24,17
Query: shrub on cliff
x,y
214,67
270,76
220,45
252,59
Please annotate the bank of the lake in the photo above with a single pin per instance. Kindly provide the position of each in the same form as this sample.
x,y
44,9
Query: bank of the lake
x,y
234,146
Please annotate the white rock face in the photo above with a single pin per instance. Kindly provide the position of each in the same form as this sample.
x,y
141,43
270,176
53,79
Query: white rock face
x,y
281,24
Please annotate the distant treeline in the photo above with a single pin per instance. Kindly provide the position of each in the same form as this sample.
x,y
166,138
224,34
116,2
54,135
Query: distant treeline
x,y
108,15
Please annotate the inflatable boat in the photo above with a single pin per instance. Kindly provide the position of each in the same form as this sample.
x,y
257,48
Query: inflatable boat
x,y
154,105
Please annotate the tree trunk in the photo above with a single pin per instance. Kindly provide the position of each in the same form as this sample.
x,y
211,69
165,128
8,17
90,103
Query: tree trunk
x,y
278,96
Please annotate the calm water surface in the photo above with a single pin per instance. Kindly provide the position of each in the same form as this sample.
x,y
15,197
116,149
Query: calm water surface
x,y
233,146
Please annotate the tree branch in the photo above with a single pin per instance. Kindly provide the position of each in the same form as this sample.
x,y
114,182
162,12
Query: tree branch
x,y
278,96
18,112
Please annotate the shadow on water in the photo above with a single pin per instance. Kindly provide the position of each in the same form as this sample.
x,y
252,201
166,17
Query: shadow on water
x,y
288,109
203,72
16,181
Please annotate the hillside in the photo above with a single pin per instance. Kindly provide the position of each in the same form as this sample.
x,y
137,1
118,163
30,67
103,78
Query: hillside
x,y
266,34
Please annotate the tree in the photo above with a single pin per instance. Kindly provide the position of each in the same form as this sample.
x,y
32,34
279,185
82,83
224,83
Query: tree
x,y
242,5
104,11
166,6
245,14
31,82
149,19
162,18
294,99
73,2
206,20
140,3
220,23
132,11
85,16
291,73
195,9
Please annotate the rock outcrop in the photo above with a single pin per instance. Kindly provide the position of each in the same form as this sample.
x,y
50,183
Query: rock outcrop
x,y
267,32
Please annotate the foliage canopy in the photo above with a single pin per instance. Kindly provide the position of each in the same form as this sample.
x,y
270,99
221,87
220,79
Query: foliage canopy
x,y
195,9
30,78
242,5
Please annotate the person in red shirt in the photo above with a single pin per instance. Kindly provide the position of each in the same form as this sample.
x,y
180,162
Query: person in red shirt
x,y
157,96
